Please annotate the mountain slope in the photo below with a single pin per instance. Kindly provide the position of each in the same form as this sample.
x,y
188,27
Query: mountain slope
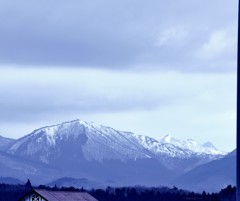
x,y
10,180
23,169
5,141
97,143
86,150
211,176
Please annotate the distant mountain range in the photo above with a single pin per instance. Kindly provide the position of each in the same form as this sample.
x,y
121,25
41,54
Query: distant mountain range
x,y
78,149
77,183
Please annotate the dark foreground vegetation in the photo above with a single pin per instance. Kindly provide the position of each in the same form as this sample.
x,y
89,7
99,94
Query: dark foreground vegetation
x,y
14,192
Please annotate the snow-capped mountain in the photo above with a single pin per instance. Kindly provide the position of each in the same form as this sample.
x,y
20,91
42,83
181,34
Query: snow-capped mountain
x,y
91,141
190,144
80,149
162,148
95,142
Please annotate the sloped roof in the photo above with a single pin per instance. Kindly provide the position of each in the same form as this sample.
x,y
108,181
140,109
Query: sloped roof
x,y
65,195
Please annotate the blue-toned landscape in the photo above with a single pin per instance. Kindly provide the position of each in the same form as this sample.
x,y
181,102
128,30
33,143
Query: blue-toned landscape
x,y
118,100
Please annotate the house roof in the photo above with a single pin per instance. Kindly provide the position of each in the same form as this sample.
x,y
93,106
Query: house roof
x,y
64,195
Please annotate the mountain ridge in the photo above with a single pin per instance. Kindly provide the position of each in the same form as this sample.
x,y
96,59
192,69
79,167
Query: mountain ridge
x,y
78,149
114,144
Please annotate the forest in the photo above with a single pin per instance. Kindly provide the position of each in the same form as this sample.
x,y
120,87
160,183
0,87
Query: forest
x,y
138,193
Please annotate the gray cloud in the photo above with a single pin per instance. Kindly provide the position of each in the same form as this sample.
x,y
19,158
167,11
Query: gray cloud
x,y
29,96
33,107
39,94
115,35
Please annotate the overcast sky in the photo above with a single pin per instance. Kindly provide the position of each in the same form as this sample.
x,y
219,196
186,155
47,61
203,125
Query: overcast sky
x,y
151,67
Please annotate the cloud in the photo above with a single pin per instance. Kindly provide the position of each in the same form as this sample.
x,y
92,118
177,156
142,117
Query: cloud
x,y
171,36
111,35
219,44
45,92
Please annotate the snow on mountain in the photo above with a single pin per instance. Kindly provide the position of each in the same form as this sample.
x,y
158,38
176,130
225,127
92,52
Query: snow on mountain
x,y
94,142
163,148
178,154
97,143
189,144
80,149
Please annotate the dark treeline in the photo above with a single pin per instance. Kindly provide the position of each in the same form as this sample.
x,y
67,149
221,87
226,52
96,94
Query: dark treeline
x,y
13,192
138,193
161,194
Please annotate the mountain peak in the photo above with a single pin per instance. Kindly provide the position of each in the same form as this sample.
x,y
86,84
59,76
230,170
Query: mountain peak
x,y
190,144
208,144
51,130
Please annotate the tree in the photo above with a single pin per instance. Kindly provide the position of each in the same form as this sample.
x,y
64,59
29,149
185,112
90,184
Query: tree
x,y
28,185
